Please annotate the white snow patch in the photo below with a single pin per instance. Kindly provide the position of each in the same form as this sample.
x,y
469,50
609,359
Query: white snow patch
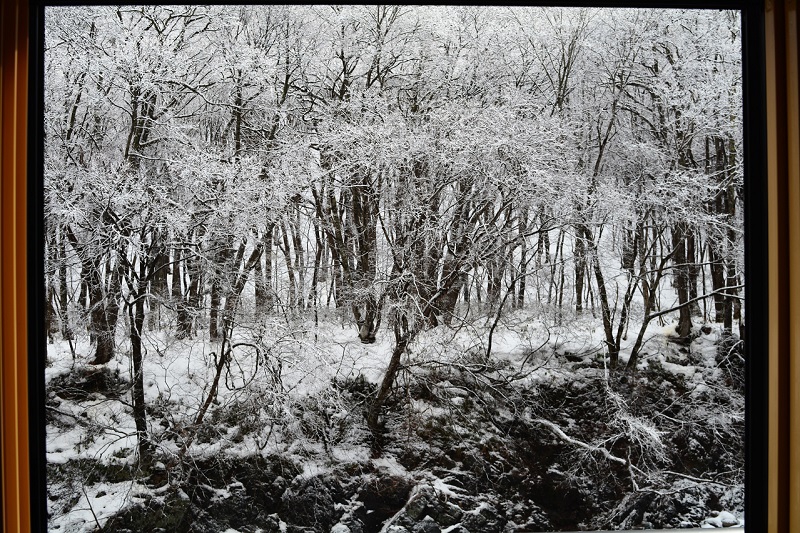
x,y
722,519
390,464
97,504
443,487
350,454
481,506
688,371
312,469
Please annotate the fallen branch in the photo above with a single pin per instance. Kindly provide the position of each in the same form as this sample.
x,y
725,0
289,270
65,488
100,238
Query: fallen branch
x,y
558,431
698,479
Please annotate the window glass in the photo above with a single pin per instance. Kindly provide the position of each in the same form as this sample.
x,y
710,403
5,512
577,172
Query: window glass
x,y
361,268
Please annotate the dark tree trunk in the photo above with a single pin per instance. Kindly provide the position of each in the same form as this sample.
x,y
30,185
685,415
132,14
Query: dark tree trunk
x,y
402,336
453,281
364,209
494,282
693,272
299,259
630,250
102,299
731,302
176,293
158,279
63,292
727,322
213,310
50,326
555,266
287,254
580,269
265,298
315,276
232,298
189,304
681,277
717,283
220,273
136,315
262,276
523,260
270,292
592,257
260,290
104,311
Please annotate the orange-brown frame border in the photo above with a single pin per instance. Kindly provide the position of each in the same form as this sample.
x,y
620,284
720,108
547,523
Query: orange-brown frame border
x,y
13,267
783,160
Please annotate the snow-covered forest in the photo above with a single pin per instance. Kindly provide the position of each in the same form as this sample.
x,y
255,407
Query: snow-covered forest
x,y
389,268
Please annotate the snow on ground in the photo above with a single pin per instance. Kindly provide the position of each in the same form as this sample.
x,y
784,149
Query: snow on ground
x,y
178,372
389,464
296,364
97,503
722,519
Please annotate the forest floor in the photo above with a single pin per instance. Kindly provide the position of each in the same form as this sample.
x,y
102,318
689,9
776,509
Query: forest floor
x,y
539,436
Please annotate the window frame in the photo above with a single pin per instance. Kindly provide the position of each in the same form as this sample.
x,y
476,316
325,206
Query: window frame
x,y
770,87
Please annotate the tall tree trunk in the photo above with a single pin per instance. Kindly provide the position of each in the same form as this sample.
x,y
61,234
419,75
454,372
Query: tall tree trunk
x,y
104,309
269,301
63,290
158,278
593,258
630,249
580,269
213,310
260,294
233,297
680,232
364,210
494,282
299,259
98,324
220,273
402,337
648,293
136,315
287,254
731,301
315,276
50,326
717,282
189,304
176,292
693,272
262,275
523,259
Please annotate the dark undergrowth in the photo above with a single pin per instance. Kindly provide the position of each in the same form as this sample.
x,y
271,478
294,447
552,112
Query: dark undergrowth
x,y
480,450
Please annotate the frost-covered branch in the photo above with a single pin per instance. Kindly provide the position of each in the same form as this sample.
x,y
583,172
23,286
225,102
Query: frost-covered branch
x,y
558,431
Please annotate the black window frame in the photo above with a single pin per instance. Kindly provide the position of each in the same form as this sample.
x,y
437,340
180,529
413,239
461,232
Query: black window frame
x,y
755,241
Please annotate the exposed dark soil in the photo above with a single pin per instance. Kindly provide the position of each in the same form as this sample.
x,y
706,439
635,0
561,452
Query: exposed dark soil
x,y
479,461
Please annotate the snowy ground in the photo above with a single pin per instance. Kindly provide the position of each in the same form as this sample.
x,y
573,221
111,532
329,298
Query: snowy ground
x,y
279,401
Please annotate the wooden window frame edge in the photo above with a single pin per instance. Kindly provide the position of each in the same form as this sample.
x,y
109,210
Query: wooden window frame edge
x,y
783,221
14,373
